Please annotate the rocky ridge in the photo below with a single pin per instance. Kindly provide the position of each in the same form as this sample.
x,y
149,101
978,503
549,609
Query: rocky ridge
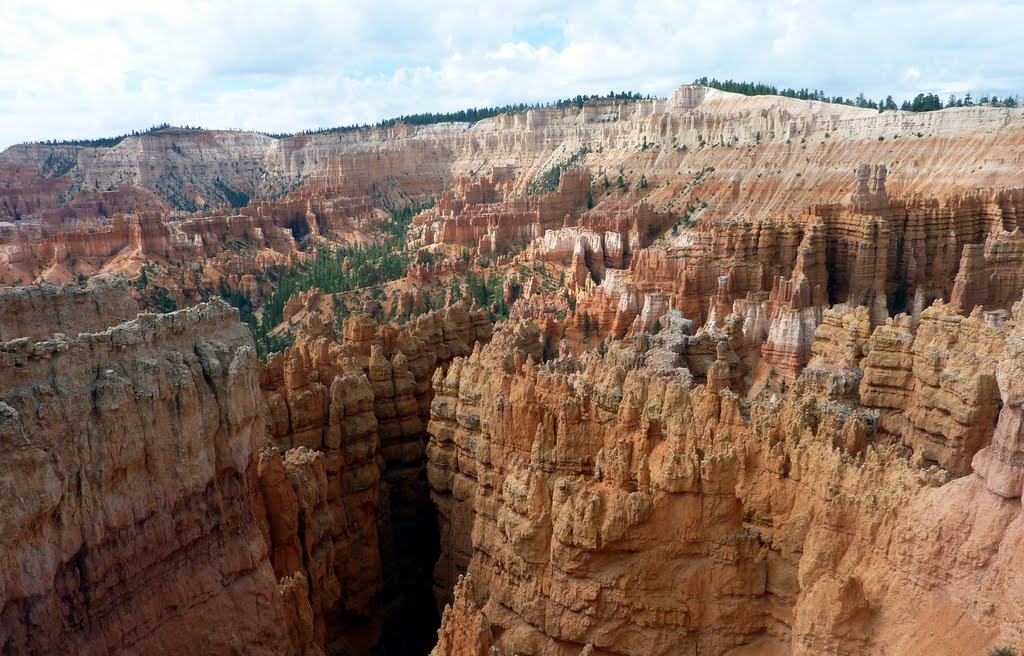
x,y
420,159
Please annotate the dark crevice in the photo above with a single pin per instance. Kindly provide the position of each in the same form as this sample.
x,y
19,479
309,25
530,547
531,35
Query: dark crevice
x,y
411,625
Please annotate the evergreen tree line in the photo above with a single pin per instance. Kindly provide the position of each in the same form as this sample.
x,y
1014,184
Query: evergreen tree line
x,y
922,102
471,115
107,142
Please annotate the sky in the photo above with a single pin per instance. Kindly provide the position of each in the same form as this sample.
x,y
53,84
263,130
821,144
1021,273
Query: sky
x,y
106,67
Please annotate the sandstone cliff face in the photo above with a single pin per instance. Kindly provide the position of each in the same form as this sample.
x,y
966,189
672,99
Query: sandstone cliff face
x,y
123,244
191,168
400,364
850,242
618,505
127,517
955,400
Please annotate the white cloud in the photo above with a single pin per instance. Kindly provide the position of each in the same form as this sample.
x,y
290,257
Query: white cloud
x,y
106,67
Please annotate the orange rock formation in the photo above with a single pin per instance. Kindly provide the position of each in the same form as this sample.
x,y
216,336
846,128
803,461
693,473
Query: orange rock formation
x,y
617,505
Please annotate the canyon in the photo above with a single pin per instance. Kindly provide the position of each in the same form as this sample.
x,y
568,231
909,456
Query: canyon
x,y
709,374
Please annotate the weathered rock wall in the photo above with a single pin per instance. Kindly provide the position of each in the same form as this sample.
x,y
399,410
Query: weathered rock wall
x,y
127,455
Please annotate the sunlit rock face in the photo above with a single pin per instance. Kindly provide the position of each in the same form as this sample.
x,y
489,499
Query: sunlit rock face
x,y
615,504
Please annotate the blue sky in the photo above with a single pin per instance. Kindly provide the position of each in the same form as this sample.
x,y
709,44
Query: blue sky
x,y
70,70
